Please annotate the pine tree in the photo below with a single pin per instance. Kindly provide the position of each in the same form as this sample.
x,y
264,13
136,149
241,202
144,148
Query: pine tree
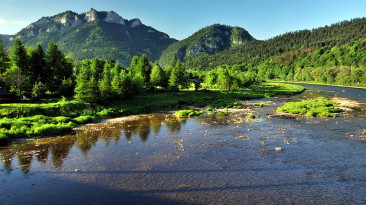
x,y
57,67
133,65
178,76
104,83
16,76
4,58
157,75
38,65
144,68
19,57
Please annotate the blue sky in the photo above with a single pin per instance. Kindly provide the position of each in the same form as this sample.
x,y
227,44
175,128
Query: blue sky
x,y
180,18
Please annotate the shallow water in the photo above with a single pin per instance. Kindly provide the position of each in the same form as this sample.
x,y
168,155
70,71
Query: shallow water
x,y
220,159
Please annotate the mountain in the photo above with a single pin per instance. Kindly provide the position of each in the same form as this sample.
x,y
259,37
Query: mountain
x,y
209,40
95,34
300,41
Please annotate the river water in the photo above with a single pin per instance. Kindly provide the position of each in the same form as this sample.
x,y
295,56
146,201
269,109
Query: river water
x,y
211,159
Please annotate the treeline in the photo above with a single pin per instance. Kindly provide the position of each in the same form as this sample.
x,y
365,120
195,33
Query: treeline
x,y
329,36
100,81
344,65
34,72
38,74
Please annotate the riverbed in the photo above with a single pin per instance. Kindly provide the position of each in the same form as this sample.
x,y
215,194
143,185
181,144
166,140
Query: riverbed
x,y
210,159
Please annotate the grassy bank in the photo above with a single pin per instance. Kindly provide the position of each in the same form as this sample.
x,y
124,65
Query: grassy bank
x,y
21,120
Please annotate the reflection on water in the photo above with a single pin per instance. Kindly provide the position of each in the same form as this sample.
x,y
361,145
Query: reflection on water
x,y
57,149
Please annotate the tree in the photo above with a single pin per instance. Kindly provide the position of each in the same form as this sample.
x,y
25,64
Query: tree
x,y
157,75
144,68
86,89
4,58
19,56
57,67
224,80
133,65
37,64
16,76
178,76
104,83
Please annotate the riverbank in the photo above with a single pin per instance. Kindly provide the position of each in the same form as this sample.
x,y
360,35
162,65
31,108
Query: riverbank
x,y
316,83
35,120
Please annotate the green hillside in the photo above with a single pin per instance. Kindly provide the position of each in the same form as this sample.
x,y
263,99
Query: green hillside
x,y
83,38
206,41
336,34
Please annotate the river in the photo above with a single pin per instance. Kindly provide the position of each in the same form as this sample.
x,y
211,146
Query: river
x,y
211,159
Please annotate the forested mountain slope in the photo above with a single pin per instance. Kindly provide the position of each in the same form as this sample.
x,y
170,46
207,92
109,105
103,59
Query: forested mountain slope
x,y
94,34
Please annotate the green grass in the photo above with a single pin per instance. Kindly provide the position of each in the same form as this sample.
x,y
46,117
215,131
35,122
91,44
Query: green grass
x,y
188,113
19,120
250,116
319,107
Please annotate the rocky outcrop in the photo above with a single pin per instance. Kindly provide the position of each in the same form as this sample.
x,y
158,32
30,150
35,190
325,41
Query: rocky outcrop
x,y
43,21
113,17
135,23
77,22
52,28
92,15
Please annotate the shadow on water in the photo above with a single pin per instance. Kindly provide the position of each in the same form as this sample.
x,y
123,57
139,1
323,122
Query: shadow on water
x,y
61,191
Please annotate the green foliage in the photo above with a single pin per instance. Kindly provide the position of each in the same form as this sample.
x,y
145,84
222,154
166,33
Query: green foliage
x,y
84,119
320,107
51,129
4,59
178,76
62,119
188,113
208,40
250,116
54,118
35,73
258,104
157,76
299,41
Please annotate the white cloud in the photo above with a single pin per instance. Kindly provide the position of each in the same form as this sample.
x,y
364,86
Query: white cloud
x,y
16,22
3,21
6,22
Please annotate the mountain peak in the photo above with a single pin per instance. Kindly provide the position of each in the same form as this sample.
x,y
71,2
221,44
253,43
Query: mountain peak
x,y
135,22
209,40
113,17
92,15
